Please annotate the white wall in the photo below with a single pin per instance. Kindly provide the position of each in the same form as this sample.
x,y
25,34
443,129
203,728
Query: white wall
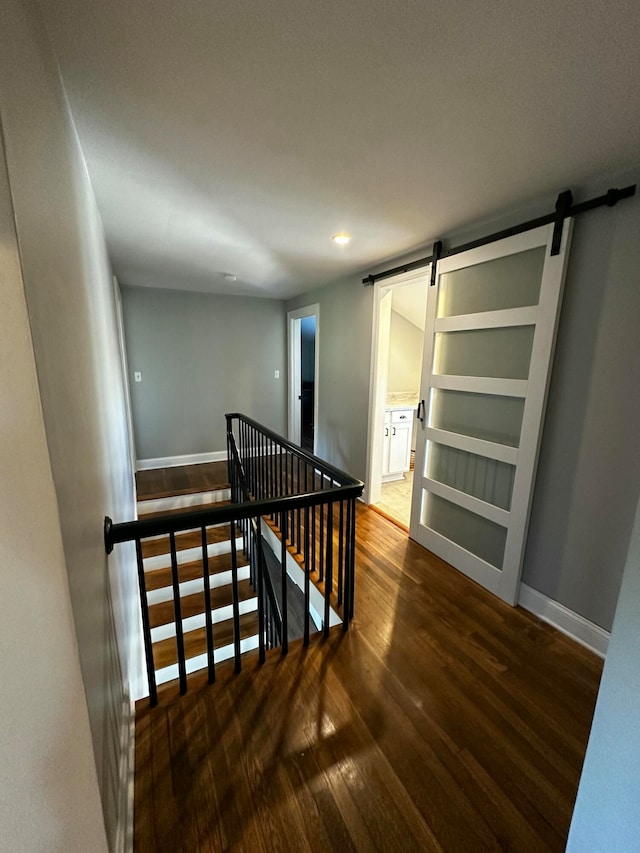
x,y
69,292
589,472
49,794
607,814
405,355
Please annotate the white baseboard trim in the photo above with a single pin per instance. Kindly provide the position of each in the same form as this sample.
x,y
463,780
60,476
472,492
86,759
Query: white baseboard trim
x,y
572,624
188,459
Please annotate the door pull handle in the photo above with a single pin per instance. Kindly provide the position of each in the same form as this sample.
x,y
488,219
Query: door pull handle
x,y
418,415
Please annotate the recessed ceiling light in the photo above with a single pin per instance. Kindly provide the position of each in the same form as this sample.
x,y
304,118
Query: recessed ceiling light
x,y
229,276
341,239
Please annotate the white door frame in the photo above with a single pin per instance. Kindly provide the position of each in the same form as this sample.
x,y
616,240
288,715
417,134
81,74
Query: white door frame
x,y
378,378
294,374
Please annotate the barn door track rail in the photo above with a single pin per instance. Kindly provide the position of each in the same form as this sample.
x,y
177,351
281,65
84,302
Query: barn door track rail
x,y
564,209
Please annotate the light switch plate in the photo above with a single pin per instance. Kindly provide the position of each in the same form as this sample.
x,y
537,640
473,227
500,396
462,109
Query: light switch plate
x,y
137,376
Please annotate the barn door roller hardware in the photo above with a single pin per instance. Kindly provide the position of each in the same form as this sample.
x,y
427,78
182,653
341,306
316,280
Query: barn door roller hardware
x,y
564,209
563,206
435,257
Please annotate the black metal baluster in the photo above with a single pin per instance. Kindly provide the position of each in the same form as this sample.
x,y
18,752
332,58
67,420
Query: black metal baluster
x,y
229,460
245,444
146,628
230,467
235,594
253,450
347,573
250,456
252,562
177,610
322,511
307,593
261,595
298,522
328,582
272,470
289,477
293,518
352,560
259,480
256,459
247,455
211,667
285,609
313,537
280,484
340,552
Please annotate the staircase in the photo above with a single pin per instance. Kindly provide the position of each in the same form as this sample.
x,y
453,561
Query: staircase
x,y
161,493
287,573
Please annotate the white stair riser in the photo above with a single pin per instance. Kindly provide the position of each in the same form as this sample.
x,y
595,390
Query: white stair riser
x,y
184,501
169,673
192,623
158,596
188,555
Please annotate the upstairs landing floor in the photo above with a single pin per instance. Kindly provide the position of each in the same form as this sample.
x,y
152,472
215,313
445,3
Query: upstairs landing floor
x,y
443,720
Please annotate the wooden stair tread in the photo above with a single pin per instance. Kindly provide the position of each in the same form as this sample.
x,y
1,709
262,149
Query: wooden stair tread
x,y
165,652
181,480
192,605
176,510
160,578
190,539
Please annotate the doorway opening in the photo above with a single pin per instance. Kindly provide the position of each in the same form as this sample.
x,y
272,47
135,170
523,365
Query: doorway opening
x,y
303,334
396,367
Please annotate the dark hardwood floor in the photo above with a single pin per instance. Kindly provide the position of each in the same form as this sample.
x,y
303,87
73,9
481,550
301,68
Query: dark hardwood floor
x,y
443,720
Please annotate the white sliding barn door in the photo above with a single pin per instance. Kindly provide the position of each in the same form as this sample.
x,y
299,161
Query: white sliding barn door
x,y
491,325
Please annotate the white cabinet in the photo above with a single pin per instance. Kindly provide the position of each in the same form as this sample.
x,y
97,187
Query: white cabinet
x,y
396,458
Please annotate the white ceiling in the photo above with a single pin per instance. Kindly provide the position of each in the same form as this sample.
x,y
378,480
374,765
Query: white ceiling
x,y
237,137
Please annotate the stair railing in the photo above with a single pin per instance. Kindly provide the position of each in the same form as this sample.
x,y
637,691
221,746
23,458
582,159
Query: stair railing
x,y
269,614
307,503
318,533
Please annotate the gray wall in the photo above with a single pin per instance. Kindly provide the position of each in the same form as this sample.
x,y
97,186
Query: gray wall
x,y
69,294
606,815
405,355
589,471
200,356
344,343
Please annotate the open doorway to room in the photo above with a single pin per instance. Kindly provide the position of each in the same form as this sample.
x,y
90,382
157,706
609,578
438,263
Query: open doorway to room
x,y
303,334
398,339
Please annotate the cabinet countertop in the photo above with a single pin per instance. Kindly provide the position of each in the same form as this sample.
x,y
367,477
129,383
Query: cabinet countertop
x,y
401,401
